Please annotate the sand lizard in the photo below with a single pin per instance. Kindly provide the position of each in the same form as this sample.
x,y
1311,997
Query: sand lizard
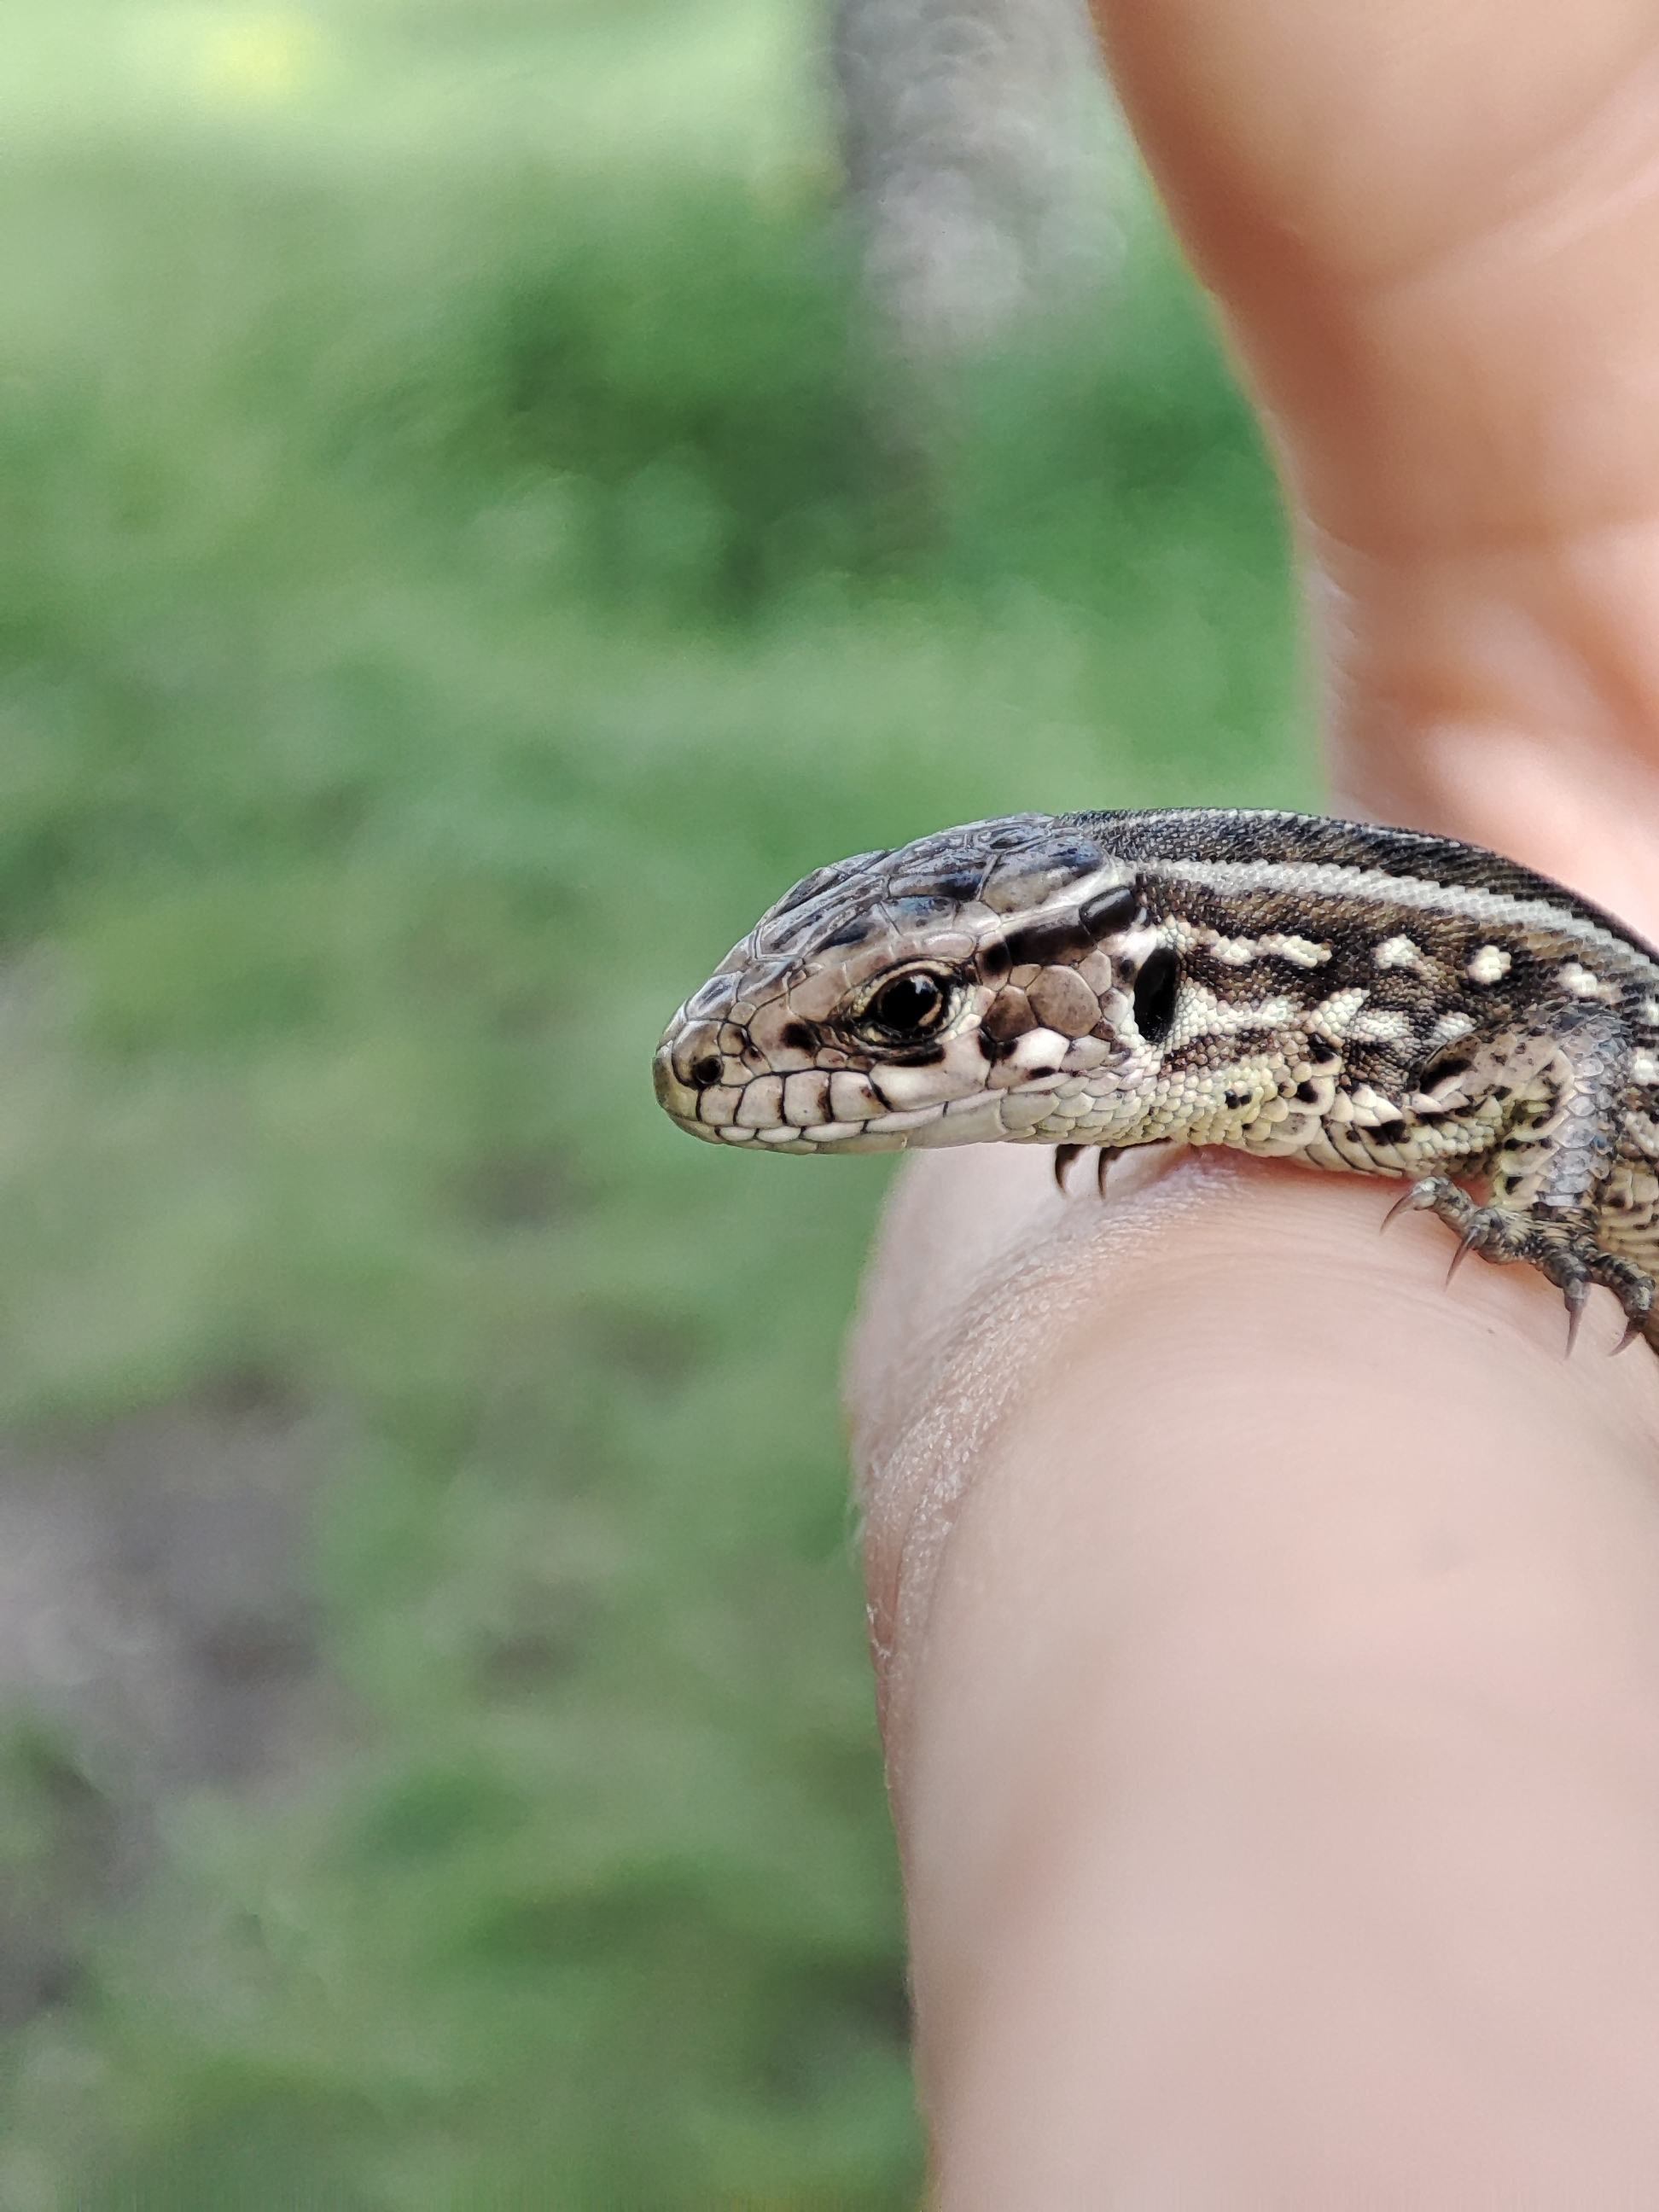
x,y
1351,997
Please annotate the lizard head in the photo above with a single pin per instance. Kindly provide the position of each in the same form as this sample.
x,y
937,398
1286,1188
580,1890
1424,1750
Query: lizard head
x,y
939,995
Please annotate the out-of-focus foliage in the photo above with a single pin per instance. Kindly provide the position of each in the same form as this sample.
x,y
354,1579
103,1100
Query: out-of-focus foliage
x,y
459,563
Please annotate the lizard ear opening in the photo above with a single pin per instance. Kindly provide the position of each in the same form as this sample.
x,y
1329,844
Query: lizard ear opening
x,y
1156,987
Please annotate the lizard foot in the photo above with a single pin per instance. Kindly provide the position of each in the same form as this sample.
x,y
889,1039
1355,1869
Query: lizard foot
x,y
1564,1252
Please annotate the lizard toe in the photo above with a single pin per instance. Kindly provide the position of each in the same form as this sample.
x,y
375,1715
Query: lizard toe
x,y
1632,1288
1434,1194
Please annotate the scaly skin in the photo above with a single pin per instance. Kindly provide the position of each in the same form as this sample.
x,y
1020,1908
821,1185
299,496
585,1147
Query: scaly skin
x,y
1349,997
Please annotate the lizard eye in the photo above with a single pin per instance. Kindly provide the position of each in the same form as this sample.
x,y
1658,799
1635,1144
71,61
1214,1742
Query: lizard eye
x,y
907,1008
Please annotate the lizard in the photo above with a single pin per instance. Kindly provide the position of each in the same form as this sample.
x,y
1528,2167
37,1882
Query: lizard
x,y
1348,996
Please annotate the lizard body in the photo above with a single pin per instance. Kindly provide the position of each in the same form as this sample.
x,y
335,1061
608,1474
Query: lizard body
x,y
1354,998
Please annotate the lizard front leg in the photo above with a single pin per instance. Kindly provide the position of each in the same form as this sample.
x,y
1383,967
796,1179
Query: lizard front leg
x,y
1547,1175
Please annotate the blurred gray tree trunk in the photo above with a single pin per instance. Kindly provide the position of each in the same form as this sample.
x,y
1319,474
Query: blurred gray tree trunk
x,y
983,162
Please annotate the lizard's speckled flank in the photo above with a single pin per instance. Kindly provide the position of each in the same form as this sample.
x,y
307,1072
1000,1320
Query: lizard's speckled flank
x,y
1351,997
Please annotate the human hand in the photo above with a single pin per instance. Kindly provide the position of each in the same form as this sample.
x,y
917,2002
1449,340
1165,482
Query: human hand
x,y
1269,1639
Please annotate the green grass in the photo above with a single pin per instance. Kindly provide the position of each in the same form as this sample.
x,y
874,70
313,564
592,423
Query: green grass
x,y
458,565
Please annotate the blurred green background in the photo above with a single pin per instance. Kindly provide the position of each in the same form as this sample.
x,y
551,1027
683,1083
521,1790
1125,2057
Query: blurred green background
x,y
461,561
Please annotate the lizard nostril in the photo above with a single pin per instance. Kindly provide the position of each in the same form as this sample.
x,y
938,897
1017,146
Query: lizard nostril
x,y
696,1057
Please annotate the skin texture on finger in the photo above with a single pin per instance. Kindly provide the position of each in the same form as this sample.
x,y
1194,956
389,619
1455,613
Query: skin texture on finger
x,y
1365,141
1430,232
1270,1660
1371,194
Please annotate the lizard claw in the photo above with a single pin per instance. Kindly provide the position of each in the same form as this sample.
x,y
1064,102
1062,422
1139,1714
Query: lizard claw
x,y
1473,1238
1423,1197
1420,1195
1576,1296
1064,1155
